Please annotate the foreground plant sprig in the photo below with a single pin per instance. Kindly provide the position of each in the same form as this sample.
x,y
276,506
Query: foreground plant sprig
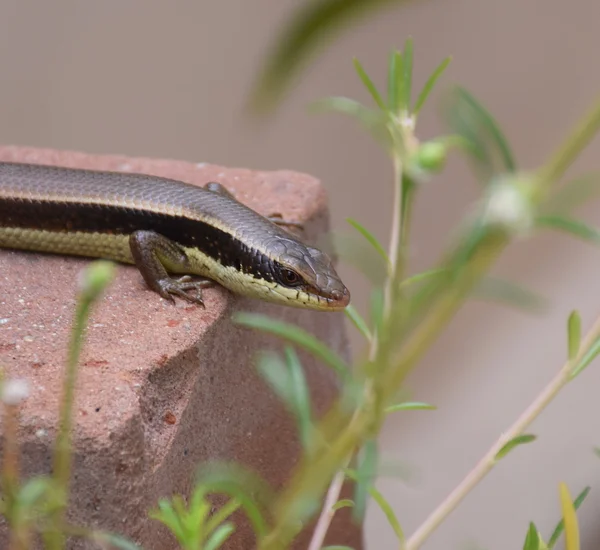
x,y
409,322
512,435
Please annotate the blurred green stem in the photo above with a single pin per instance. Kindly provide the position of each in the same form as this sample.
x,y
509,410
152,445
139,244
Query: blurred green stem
x,y
486,464
572,147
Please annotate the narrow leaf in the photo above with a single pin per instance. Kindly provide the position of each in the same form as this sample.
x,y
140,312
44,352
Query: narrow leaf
x,y
370,238
514,442
532,540
572,194
421,276
587,358
344,503
487,122
376,307
407,70
509,293
365,475
428,87
410,406
574,227
569,518
358,321
487,144
33,490
218,538
561,525
395,73
302,405
312,27
574,334
117,541
385,506
246,487
366,80
296,335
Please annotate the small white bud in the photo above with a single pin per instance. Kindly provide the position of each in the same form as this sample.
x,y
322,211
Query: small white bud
x,y
14,391
508,206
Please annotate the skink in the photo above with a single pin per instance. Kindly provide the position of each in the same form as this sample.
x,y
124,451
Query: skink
x,y
165,227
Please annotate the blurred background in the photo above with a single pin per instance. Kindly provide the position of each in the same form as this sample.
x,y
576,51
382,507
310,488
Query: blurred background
x,y
170,79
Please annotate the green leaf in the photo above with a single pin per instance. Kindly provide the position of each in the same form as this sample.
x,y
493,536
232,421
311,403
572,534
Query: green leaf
x,y
410,406
591,354
574,334
238,482
572,194
385,506
367,464
366,80
571,525
428,87
532,539
395,73
417,278
376,307
218,538
337,547
311,28
406,82
574,227
296,335
166,515
371,239
33,490
477,126
354,250
344,503
374,121
560,526
509,293
117,541
514,442
358,321
221,515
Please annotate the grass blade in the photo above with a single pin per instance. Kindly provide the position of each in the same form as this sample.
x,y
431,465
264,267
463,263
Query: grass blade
x,y
296,335
428,87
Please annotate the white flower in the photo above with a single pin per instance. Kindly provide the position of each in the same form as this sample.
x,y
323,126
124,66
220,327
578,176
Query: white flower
x,y
14,391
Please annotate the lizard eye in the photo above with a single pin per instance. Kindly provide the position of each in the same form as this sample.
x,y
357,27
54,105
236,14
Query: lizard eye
x,y
290,277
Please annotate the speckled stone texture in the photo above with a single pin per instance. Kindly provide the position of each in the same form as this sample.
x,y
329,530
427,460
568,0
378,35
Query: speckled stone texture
x,y
161,388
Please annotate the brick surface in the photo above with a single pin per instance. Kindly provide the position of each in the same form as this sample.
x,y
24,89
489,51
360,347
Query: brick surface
x,y
161,388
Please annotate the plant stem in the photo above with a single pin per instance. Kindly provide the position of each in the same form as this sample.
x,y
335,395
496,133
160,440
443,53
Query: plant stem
x,y
580,137
485,465
328,512
398,241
